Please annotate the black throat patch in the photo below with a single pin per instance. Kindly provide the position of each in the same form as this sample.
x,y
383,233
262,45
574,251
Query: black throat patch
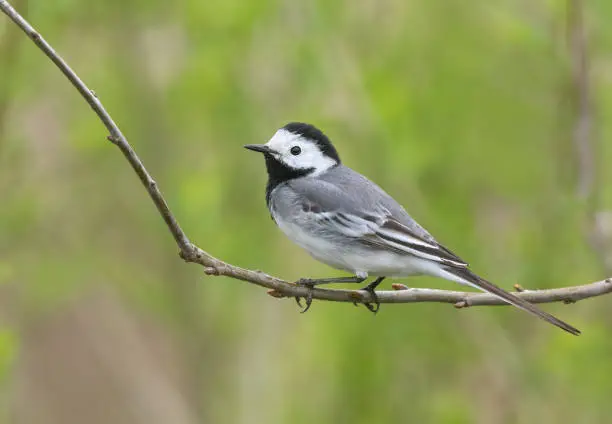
x,y
278,173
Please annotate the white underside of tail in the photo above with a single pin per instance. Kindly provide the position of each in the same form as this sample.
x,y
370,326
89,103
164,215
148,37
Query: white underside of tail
x,y
442,273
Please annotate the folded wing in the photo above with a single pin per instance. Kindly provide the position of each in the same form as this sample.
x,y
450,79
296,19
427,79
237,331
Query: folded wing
x,y
382,231
346,202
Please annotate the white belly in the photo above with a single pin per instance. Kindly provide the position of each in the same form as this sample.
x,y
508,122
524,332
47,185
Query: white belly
x,y
355,258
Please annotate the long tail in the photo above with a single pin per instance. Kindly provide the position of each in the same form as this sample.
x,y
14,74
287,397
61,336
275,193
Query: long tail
x,y
482,284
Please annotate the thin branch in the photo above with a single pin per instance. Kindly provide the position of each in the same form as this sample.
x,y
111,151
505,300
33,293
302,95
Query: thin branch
x,y
279,288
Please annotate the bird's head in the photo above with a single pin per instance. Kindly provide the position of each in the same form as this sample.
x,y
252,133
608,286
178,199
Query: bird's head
x,y
298,149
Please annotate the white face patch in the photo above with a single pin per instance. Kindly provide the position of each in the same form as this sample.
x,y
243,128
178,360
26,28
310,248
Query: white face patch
x,y
284,142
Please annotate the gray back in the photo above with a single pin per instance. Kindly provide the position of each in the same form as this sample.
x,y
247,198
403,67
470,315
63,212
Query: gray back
x,y
340,189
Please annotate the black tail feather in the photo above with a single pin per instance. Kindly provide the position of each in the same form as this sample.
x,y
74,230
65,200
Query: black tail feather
x,y
488,287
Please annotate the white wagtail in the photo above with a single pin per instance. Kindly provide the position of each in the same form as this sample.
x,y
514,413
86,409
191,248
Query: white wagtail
x,y
346,221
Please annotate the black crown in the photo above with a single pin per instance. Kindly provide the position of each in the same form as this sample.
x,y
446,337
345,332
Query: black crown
x,y
313,133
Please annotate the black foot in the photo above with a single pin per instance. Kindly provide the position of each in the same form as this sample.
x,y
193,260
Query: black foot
x,y
308,299
370,289
310,283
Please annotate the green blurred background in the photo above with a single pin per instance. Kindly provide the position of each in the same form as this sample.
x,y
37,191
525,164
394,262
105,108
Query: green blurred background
x,y
466,112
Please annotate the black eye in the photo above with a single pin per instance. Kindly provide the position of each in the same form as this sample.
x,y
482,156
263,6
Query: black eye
x,y
295,150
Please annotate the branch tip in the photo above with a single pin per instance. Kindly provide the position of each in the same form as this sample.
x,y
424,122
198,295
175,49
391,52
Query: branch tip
x,y
518,288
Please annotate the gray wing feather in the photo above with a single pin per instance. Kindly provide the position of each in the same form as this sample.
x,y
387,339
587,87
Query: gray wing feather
x,y
347,203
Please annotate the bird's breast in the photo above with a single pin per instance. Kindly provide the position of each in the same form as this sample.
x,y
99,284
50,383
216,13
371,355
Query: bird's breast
x,y
347,253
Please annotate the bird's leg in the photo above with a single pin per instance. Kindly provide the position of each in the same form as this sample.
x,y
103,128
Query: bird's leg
x,y
312,282
370,288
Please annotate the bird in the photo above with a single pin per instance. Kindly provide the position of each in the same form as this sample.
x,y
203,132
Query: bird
x,y
346,221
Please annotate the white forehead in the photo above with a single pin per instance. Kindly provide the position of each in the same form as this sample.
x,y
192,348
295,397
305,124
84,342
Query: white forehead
x,y
282,139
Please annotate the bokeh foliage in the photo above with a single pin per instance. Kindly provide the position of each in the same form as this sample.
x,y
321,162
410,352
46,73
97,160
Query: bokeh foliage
x,y
462,110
